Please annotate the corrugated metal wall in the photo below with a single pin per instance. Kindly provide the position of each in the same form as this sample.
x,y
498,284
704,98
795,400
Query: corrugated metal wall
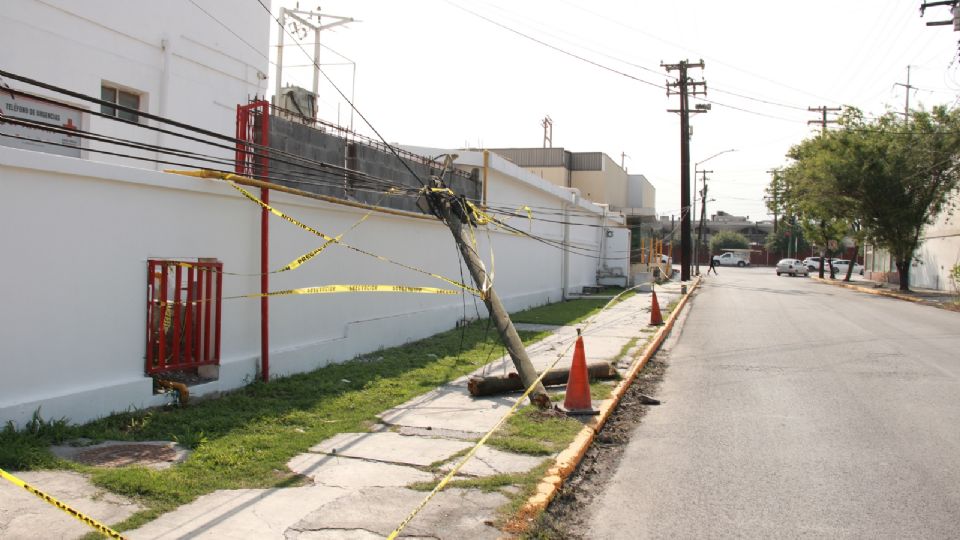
x,y
535,157
586,161
552,157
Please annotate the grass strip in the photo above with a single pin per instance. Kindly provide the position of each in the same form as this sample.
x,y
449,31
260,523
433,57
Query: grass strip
x,y
244,438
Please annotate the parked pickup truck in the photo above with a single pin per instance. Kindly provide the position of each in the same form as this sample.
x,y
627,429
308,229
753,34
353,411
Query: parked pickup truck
x,y
733,258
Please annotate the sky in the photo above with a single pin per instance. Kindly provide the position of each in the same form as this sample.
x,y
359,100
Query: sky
x,y
448,74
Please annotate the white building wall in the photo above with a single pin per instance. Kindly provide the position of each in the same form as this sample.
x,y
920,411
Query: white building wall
x,y
72,330
187,66
939,251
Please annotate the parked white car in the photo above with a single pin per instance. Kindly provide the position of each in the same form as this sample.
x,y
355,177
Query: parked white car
x,y
792,267
841,266
813,264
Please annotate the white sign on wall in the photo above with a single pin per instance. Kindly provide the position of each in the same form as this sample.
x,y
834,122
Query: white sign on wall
x,y
35,110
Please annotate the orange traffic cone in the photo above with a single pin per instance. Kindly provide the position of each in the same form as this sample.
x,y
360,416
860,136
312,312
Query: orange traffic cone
x,y
656,318
577,400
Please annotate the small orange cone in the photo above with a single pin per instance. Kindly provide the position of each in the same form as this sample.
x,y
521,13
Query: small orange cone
x,y
656,318
577,400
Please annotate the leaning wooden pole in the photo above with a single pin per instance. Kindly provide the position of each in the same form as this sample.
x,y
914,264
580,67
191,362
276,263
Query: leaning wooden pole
x,y
442,205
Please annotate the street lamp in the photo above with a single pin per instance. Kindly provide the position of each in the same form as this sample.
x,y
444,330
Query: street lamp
x,y
703,194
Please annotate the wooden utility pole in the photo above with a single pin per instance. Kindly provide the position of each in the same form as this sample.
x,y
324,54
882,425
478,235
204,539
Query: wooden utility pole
x,y
823,110
685,88
703,217
452,210
776,195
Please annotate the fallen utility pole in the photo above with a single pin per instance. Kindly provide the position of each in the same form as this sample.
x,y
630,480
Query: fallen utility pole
x,y
500,384
453,211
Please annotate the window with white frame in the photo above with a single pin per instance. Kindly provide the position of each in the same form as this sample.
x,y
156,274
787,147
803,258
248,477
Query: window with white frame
x,y
122,97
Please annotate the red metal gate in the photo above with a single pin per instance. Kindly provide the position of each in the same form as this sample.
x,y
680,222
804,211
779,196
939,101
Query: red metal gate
x,y
183,315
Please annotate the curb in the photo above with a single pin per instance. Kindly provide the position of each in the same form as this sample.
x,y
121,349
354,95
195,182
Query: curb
x,y
878,292
568,460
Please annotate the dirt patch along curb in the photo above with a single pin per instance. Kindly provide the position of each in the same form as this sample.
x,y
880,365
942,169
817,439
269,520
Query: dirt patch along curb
x,y
568,460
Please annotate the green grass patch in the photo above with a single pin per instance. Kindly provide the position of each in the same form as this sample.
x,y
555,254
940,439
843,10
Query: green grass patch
x,y
599,391
625,349
524,485
561,313
535,432
245,438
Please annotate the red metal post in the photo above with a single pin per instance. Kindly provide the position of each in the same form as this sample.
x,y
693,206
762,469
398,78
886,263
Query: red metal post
x,y
255,163
264,245
208,282
161,333
216,340
151,303
188,327
177,286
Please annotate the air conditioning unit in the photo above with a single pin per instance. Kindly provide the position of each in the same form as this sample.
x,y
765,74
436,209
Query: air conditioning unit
x,y
299,103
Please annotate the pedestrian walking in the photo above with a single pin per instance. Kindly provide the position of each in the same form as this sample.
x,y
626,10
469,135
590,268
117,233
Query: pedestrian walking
x,y
713,266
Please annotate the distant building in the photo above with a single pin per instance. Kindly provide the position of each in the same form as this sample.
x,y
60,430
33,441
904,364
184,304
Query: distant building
x,y
598,178
755,231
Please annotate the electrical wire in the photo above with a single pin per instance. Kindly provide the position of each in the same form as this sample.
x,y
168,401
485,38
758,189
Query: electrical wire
x,y
347,100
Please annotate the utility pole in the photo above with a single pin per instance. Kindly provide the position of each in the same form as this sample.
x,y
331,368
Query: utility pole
x,y
907,87
703,216
547,124
452,210
304,18
954,12
823,109
685,88
776,195
623,159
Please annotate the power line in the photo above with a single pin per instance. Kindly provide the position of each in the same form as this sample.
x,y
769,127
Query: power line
x,y
348,101
555,48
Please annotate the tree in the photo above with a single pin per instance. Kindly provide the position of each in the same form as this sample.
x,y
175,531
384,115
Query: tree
x,y
728,240
788,239
883,179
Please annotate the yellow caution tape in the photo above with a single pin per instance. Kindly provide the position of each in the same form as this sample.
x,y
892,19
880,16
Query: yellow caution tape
x,y
99,527
529,215
330,289
483,440
329,239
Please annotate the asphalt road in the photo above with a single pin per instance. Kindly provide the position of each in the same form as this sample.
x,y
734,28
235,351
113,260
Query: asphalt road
x,y
794,409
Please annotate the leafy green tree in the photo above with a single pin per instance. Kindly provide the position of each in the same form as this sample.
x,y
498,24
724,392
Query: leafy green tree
x,y
786,240
728,240
882,179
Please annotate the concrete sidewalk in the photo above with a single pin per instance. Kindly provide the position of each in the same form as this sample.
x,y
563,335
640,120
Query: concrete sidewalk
x,y
360,480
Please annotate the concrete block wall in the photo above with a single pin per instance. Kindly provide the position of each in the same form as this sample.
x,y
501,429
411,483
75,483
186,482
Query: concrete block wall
x,y
303,140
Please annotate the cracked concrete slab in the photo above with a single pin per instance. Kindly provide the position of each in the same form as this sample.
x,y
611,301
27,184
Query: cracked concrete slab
x,y
24,515
239,513
490,461
391,447
450,407
346,472
452,514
